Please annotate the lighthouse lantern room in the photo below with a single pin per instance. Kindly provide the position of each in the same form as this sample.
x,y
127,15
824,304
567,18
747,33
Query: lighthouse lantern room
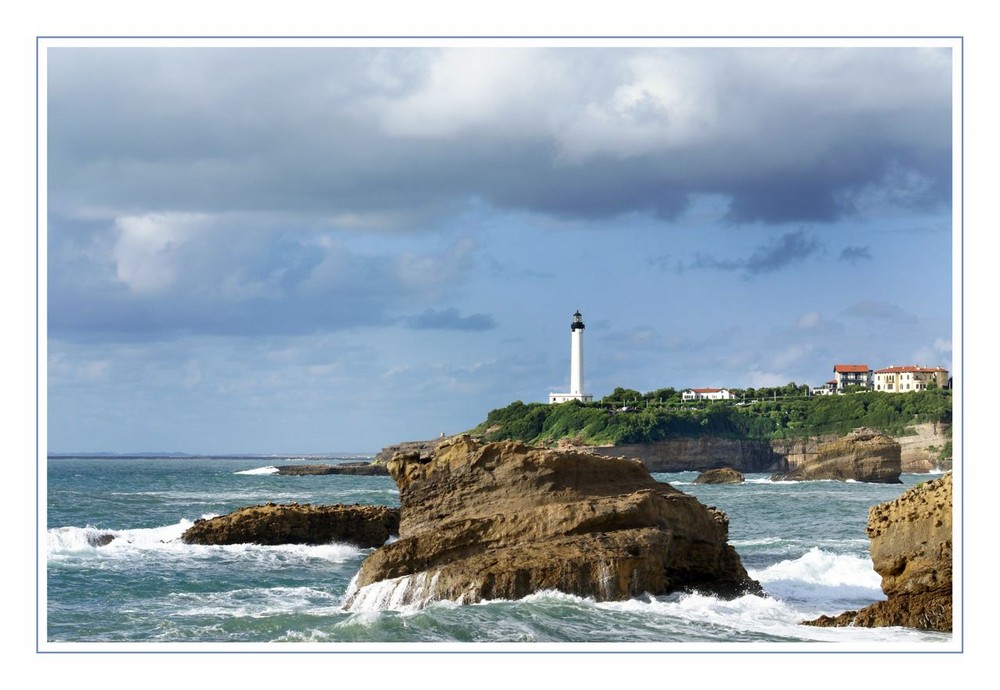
x,y
575,365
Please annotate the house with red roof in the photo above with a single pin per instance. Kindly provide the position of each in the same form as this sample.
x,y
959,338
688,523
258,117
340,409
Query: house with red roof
x,y
706,394
903,379
845,375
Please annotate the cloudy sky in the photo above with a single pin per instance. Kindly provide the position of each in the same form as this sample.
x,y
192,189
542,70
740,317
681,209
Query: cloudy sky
x,y
328,249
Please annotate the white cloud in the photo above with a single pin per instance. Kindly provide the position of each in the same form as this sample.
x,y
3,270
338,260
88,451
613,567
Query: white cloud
x,y
809,321
148,249
468,89
790,355
762,379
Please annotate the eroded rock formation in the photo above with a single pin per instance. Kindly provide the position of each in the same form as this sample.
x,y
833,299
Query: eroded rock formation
x,y
422,448
862,455
723,475
504,520
911,549
364,526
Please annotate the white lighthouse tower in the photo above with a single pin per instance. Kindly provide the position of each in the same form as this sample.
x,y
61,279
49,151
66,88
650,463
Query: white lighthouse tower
x,y
575,365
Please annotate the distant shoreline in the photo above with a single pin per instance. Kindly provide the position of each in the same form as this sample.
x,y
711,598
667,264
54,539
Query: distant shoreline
x,y
290,457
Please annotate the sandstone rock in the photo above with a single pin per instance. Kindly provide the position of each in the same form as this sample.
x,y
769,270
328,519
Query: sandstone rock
x,y
364,526
503,520
911,549
422,448
920,447
862,455
723,475
352,468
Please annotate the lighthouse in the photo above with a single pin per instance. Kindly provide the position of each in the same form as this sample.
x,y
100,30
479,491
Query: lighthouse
x,y
575,365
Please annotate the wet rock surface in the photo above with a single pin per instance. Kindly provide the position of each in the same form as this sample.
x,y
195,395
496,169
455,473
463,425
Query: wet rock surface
x,y
271,524
504,520
723,475
911,548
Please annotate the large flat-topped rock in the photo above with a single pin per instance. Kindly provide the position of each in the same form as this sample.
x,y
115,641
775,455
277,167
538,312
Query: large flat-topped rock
x,y
504,520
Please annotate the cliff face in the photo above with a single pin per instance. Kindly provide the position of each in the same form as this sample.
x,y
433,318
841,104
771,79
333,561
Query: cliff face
x,y
919,449
862,455
911,548
918,452
683,454
504,520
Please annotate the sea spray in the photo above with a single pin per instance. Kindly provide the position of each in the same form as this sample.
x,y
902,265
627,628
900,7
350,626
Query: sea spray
x,y
405,593
270,469
804,542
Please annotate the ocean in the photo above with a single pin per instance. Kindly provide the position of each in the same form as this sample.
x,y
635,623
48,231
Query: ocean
x,y
144,589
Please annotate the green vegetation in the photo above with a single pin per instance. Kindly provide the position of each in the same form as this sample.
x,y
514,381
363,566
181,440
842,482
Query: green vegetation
x,y
628,416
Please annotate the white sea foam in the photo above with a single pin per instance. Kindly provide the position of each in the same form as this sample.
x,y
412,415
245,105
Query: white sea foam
x,y
408,593
256,602
157,542
819,576
85,539
270,469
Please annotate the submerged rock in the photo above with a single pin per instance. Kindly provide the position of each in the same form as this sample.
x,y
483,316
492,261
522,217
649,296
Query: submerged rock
x,y
504,520
911,549
270,524
102,539
722,475
862,455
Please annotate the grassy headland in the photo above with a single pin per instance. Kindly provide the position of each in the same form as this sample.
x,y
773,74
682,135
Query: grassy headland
x,y
627,416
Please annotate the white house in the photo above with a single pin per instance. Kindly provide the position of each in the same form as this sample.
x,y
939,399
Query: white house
x,y
706,394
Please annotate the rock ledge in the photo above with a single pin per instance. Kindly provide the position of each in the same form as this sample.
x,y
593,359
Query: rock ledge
x,y
271,524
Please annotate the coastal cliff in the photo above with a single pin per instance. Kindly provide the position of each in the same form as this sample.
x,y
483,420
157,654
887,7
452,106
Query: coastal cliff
x,y
503,520
920,448
863,455
702,453
911,548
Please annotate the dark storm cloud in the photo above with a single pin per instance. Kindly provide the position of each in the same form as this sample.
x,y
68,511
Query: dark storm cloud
x,y
787,134
855,254
450,320
789,249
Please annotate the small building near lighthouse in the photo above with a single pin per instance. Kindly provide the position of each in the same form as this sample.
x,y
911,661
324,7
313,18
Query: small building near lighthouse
x,y
576,390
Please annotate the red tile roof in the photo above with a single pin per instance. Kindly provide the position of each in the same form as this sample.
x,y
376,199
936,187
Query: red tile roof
x,y
911,369
706,390
851,368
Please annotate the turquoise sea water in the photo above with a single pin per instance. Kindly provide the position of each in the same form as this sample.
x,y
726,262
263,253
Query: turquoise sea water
x,y
805,542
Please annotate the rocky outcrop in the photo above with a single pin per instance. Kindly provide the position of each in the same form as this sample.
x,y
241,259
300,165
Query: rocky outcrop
x,y
424,449
862,455
920,448
364,526
98,540
724,475
704,453
352,468
503,520
911,549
